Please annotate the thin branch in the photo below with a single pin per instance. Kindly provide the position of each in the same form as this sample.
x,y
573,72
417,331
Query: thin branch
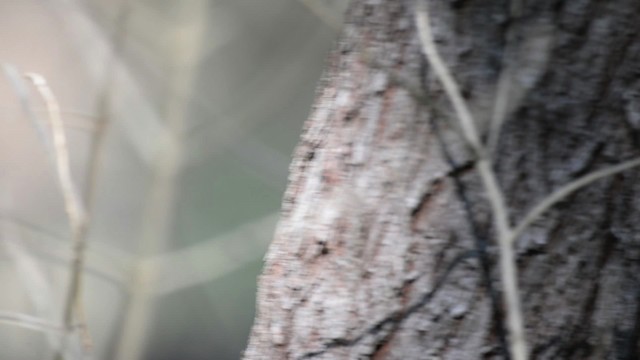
x,y
505,81
55,145
94,162
22,92
73,206
29,322
562,193
467,122
508,269
70,112
500,108
76,213
451,88
165,166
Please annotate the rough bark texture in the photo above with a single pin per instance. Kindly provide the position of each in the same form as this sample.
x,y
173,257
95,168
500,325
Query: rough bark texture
x,y
385,250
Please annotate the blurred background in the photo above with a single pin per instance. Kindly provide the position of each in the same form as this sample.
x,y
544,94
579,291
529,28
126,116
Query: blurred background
x,y
180,119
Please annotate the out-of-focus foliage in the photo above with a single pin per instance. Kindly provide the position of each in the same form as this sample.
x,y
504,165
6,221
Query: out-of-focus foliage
x,y
202,103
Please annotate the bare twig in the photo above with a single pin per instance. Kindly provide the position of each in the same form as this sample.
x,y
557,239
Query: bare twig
x,y
505,82
467,123
500,108
101,126
165,167
22,92
74,208
562,193
508,270
30,322
70,112
506,235
54,142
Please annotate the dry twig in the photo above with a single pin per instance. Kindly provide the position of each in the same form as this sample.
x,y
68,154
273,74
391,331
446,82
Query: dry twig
x,y
76,213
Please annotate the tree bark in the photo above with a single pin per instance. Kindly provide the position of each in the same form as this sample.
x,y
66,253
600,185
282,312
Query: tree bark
x,y
385,248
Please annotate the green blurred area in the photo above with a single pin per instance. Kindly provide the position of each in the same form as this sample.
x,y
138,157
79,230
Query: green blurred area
x,y
206,103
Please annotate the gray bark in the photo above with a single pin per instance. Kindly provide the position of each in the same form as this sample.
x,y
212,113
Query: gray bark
x,y
385,249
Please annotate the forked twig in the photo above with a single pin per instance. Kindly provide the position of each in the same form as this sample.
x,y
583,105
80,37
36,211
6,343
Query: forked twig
x,y
506,234
508,269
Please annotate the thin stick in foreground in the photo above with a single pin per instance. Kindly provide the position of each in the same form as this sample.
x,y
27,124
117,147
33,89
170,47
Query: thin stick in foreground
x,y
74,208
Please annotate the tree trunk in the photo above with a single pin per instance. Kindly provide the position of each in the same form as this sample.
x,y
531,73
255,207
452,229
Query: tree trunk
x,y
385,249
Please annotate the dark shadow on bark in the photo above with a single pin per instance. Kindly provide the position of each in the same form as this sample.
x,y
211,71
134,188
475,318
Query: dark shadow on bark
x,y
480,239
398,317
